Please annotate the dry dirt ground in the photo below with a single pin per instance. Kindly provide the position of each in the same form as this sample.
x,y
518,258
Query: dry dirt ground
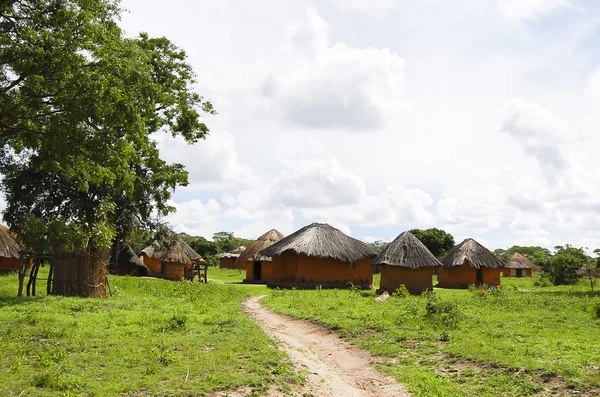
x,y
333,366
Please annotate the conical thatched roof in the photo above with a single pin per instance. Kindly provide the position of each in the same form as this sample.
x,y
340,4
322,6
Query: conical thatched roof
x,y
474,253
128,259
9,247
321,240
518,261
233,253
179,252
252,253
406,251
588,271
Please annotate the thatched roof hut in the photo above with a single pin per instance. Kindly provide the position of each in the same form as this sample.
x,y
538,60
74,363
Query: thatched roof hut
x,y
518,261
474,253
129,263
252,253
406,251
320,240
9,247
172,261
588,271
318,255
233,254
469,263
406,261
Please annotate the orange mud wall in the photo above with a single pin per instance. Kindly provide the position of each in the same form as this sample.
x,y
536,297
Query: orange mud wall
x,y
416,281
464,275
513,272
153,264
292,268
173,271
227,263
9,264
266,271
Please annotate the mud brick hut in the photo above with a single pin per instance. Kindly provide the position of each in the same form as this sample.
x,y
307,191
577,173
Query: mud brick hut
x,y
518,265
173,262
320,255
259,268
129,264
469,263
406,261
227,259
10,251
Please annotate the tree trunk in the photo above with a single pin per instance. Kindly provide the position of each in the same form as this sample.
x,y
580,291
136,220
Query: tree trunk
x,y
80,275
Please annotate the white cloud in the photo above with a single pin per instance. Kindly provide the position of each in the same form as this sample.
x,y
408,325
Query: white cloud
x,y
325,85
211,163
531,9
368,5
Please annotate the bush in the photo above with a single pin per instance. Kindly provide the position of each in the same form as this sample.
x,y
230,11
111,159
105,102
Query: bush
x,y
444,312
401,291
565,264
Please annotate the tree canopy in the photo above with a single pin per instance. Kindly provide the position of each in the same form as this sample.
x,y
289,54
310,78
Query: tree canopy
x,y
79,103
436,240
565,263
539,256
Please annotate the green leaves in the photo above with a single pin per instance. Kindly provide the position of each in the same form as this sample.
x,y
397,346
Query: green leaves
x,y
78,105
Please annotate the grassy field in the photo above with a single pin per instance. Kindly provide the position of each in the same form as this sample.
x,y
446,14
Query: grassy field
x,y
521,340
152,337
161,338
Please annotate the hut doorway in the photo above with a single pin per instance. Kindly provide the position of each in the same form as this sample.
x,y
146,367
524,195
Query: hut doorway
x,y
479,277
519,272
257,270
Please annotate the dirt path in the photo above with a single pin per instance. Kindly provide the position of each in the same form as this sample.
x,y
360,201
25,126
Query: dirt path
x,y
335,367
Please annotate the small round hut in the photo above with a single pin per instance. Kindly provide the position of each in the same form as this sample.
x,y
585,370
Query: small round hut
x,y
227,260
10,251
469,263
406,261
172,262
320,255
129,264
518,265
258,267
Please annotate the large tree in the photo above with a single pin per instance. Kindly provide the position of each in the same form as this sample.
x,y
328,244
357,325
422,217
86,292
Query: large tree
x,y
565,263
79,103
436,240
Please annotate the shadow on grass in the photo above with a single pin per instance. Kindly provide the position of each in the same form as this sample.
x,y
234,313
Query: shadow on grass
x,y
19,300
578,294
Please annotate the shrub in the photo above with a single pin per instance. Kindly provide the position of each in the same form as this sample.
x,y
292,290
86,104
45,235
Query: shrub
x,y
401,291
444,312
565,264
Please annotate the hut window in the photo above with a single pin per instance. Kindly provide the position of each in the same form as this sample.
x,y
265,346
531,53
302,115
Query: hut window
x,y
353,264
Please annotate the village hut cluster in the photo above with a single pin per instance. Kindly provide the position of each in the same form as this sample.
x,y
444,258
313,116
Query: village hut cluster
x,y
315,255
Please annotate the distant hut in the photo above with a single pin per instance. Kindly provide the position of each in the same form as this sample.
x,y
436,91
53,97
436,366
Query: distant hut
x,y
320,255
10,251
129,264
227,259
518,265
469,263
588,271
173,262
406,260
259,268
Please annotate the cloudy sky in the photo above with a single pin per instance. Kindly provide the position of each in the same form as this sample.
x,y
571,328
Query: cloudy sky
x,y
479,117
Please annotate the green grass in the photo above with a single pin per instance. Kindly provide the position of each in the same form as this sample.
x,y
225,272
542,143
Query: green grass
x,y
521,340
225,275
152,337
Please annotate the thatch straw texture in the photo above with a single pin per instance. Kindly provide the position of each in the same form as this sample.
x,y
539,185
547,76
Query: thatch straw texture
x,y
129,261
406,251
252,253
9,247
321,240
474,253
518,261
179,252
588,271
232,254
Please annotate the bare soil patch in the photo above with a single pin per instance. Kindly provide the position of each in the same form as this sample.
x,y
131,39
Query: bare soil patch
x,y
333,366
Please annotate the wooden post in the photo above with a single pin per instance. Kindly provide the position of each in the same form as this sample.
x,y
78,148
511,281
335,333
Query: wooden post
x,y
37,269
49,281
21,275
